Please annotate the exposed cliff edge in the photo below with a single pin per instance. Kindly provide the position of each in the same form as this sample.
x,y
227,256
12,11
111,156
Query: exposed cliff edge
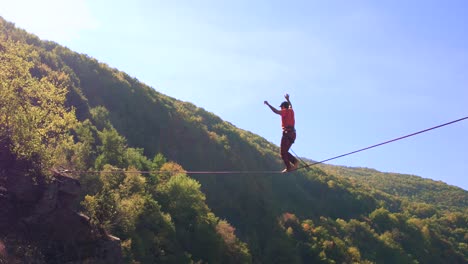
x,y
38,224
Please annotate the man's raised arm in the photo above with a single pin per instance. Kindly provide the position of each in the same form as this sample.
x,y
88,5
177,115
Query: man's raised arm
x,y
276,111
287,99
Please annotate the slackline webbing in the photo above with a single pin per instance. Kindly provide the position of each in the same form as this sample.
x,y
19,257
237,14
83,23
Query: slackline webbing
x,y
273,172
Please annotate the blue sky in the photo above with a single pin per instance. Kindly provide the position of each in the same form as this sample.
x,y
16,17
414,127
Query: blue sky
x,y
358,72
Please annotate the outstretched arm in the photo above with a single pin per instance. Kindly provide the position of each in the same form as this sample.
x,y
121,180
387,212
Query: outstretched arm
x,y
276,111
287,99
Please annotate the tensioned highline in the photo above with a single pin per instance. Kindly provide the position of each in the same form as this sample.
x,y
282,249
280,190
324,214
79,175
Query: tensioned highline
x,y
271,172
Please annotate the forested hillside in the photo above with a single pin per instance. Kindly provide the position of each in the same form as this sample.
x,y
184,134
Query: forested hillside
x,y
130,147
410,187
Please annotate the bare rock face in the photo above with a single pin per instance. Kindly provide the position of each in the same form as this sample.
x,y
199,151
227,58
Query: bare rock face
x,y
38,225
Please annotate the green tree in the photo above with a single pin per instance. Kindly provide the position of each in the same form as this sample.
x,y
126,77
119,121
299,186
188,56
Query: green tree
x,y
134,157
100,116
85,152
134,183
238,252
195,224
112,149
154,240
383,219
33,118
158,162
111,177
183,199
102,208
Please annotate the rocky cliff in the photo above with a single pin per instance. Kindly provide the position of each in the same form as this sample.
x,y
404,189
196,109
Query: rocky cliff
x,y
38,224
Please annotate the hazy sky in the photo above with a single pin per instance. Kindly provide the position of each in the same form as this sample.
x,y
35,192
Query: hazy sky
x,y
358,72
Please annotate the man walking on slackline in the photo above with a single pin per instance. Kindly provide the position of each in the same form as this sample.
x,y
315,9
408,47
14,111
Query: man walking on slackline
x,y
289,133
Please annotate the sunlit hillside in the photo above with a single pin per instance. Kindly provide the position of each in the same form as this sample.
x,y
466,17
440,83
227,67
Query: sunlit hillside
x,y
127,153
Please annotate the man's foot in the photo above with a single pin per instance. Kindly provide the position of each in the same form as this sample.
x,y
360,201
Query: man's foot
x,y
295,165
292,168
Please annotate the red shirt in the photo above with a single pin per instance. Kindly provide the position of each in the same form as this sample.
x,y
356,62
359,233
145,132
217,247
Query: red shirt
x,y
287,118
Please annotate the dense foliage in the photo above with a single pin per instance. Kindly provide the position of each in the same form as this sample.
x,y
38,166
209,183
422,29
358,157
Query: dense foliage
x,y
130,147
406,186
32,119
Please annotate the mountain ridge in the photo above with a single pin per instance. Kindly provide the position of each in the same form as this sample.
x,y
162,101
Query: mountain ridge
x,y
311,215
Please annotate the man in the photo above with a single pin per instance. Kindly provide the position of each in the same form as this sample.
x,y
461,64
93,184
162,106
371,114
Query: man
x,y
289,133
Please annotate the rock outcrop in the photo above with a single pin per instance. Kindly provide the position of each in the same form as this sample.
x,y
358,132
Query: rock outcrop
x,y
38,224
